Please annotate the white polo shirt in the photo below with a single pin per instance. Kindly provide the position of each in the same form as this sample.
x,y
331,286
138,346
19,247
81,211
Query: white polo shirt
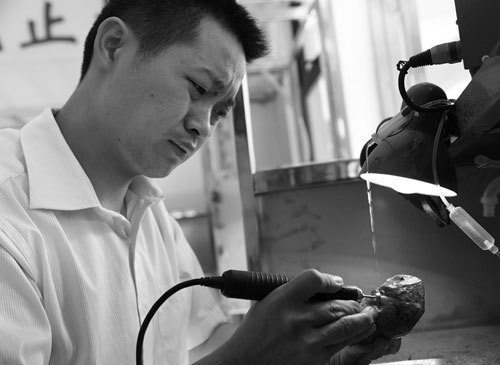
x,y
76,279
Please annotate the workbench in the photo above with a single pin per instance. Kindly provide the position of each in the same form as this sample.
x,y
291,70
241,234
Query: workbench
x,y
477,345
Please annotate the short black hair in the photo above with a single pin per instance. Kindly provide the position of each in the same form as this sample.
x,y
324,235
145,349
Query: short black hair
x,y
161,23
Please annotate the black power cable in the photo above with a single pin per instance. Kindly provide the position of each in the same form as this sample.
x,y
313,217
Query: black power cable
x,y
443,53
210,281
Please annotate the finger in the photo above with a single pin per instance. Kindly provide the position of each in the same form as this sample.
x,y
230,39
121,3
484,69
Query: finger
x,y
363,362
349,329
356,339
393,347
385,346
349,354
308,283
380,347
322,313
365,357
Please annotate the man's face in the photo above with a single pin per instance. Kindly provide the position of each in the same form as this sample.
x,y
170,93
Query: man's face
x,y
158,112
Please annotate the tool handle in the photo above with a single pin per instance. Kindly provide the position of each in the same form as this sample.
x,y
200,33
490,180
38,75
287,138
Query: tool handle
x,y
256,285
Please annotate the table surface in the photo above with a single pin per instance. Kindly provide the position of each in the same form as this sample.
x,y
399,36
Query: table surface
x,y
479,345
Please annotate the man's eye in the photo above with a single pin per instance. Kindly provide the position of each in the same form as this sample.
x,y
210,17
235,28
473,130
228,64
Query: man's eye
x,y
222,113
219,115
199,89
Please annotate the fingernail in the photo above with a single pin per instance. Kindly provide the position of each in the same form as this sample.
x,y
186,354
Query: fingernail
x,y
338,280
371,310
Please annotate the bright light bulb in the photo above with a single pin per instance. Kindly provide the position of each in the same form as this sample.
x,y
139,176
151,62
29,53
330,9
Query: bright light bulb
x,y
405,185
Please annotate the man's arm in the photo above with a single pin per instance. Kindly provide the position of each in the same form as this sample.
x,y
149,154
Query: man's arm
x,y
219,336
25,336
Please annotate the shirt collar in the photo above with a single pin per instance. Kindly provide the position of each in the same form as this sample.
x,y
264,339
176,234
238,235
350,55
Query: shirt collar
x,y
56,178
145,189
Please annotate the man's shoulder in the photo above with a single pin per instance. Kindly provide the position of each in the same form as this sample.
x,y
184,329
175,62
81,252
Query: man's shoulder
x,y
12,162
13,177
15,223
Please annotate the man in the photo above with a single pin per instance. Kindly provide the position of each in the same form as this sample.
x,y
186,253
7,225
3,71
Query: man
x,y
86,247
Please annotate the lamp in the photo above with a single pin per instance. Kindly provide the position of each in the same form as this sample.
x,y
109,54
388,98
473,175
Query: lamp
x,y
408,153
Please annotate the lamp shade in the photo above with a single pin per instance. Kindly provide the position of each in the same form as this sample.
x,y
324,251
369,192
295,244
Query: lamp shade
x,y
403,158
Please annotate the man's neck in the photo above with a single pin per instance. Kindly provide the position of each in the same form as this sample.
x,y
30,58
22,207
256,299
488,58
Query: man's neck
x,y
111,195
110,186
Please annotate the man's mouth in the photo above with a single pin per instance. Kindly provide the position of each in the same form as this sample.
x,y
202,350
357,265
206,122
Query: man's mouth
x,y
183,149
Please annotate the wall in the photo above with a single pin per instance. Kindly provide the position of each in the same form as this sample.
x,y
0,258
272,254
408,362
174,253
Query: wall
x,y
40,66
327,227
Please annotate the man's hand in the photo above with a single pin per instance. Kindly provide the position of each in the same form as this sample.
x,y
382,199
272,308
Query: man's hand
x,y
287,328
364,353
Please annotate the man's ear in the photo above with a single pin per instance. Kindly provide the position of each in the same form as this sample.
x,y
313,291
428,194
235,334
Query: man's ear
x,y
112,35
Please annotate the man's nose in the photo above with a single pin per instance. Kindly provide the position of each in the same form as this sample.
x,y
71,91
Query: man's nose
x,y
197,122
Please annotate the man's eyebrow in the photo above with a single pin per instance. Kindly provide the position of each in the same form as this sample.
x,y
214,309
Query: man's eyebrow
x,y
226,105
217,83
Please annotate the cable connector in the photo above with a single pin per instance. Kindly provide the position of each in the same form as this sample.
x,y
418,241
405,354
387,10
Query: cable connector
x,y
215,282
446,53
442,53
421,59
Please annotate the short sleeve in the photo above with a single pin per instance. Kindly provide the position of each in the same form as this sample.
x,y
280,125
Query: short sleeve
x,y
25,335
